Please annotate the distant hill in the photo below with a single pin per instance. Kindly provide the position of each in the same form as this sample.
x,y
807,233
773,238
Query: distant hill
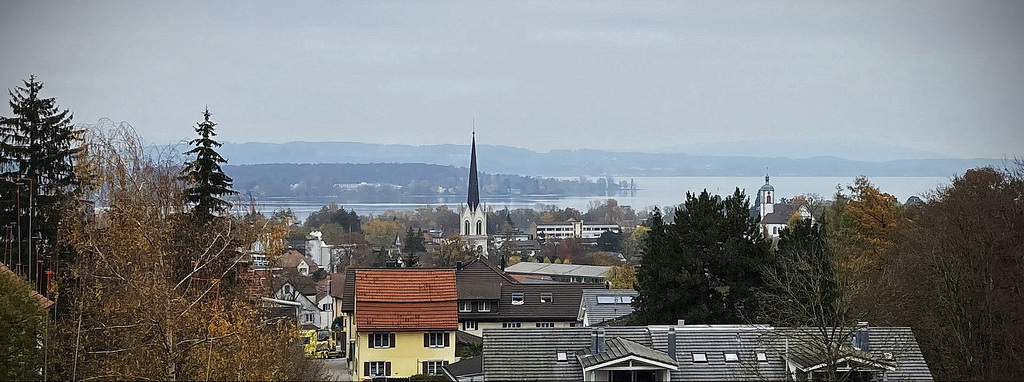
x,y
570,163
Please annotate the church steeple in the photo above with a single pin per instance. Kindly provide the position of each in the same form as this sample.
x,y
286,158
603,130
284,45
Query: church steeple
x,y
473,199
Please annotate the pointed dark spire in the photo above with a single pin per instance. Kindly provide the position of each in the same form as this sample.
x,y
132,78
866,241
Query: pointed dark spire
x,y
766,175
473,200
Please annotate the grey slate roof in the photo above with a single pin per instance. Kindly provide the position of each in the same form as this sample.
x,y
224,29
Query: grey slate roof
x,y
597,313
531,354
527,354
618,347
780,214
466,367
558,269
564,306
479,280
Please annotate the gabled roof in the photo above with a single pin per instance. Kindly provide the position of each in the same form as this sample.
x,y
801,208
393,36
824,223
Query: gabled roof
x,y
479,280
405,285
620,348
558,269
531,354
598,309
292,258
302,284
405,299
780,214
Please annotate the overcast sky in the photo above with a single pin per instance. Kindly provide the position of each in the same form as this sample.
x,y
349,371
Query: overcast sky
x,y
936,76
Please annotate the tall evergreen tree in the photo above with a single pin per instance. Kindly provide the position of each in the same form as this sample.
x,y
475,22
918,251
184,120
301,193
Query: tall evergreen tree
x,y
207,182
38,146
705,266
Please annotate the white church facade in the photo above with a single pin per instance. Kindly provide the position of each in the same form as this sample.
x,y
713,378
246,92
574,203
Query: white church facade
x,y
473,214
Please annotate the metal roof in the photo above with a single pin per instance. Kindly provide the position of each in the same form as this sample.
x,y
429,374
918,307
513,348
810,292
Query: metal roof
x,y
558,269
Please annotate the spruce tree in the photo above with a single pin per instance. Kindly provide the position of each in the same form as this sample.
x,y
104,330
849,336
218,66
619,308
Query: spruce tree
x,y
38,146
207,182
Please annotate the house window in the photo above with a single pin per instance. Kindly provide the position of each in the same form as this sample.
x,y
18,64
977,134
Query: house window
x,y
511,324
436,340
287,289
377,369
433,367
308,317
561,357
775,230
382,340
517,299
545,324
762,357
479,227
732,357
572,324
464,306
484,306
700,357
327,307
545,298
467,227
469,325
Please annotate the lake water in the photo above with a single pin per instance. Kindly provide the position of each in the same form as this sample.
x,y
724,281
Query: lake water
x,y
651,191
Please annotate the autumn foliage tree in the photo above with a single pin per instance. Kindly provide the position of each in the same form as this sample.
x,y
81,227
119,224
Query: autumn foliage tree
x,y
154,294
955,277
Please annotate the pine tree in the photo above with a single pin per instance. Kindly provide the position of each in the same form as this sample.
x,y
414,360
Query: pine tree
x,y
38,146
206,180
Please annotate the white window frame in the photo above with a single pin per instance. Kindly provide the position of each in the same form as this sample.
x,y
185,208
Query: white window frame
x,y
518,298
381,340
732,357
465,306
469,325
700,358
545,324
436,366
378,368
436,339
546,298
511,324
484,306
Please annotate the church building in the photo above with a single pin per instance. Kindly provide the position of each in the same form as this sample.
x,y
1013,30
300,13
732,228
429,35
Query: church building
x,y
473,214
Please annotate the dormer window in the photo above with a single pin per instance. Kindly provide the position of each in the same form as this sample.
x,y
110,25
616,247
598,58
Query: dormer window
x,y
483,306
518,299
464,306
545,298
700,358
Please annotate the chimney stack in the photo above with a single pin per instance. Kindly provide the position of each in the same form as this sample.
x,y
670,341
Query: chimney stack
x,y
672,342
600,340
593,341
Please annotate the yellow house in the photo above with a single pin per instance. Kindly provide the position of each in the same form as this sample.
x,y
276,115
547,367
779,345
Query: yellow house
x,y
404,322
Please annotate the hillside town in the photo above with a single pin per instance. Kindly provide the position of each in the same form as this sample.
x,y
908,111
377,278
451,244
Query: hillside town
x,y
512,191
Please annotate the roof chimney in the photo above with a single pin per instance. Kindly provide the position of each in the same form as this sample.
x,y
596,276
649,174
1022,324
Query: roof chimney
x,y
458,265
600,340
672,342
680,322
593,341
860,337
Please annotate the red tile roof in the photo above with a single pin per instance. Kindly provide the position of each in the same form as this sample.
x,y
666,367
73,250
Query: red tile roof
x,y
406,316
406,300
43,301
405,285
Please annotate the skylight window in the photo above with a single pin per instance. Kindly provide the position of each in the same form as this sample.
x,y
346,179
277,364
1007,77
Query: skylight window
x,y
605,299
518,299
762,357
562,357
545,298
700,357
732,357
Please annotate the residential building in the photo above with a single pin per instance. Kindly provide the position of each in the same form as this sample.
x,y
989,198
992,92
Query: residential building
x,y
565,273
603,305
404,321
489,298
329,257
473,215
301,289
294,262
694,353
573,229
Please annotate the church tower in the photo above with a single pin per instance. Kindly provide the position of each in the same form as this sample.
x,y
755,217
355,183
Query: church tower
x,y
473,218
766,197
